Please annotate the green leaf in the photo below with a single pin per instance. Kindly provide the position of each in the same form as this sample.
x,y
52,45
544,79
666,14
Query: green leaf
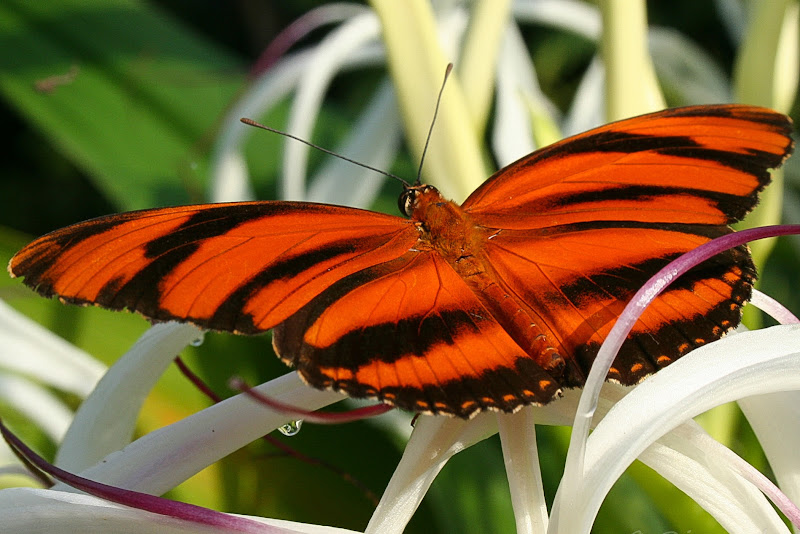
x,y
138,97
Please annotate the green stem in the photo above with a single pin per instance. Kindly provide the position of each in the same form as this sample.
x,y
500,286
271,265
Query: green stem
x,y
478,63
631,86
417,65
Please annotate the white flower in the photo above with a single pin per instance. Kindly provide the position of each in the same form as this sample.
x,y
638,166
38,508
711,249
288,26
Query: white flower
x,y
652,422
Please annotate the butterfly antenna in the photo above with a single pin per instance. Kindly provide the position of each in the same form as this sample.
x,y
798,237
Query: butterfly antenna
x,y
447,72
251,122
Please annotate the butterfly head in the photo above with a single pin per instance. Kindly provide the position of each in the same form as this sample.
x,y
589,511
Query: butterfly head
x,y
412,195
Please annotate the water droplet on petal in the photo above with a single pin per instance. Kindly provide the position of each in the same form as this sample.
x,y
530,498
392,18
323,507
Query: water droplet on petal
x,y
291,428
196,342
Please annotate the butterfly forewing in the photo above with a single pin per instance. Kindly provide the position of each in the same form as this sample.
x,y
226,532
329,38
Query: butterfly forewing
x,y
241,267
695,165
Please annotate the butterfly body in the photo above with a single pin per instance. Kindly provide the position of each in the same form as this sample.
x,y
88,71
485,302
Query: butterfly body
x,y
463,242
496,303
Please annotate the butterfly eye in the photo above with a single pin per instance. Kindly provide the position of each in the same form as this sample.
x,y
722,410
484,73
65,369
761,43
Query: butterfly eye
x,y
406,201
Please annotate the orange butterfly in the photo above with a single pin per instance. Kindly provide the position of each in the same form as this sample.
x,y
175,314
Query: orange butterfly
x,y
494,304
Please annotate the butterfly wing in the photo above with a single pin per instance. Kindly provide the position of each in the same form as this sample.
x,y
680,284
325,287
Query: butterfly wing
x,y
359,307
698,164
582,224
411,332
240,267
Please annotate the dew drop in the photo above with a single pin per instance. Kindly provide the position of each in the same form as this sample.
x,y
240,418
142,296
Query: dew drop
x,y
196,342
291,428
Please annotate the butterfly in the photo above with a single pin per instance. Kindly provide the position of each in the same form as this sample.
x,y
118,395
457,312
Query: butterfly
x,y
497,303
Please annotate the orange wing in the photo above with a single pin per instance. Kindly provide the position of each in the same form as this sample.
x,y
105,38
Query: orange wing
x,y
691,165
582,224
241,267
412,333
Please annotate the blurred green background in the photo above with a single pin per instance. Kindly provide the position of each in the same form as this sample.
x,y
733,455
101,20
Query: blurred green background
x,y
113,105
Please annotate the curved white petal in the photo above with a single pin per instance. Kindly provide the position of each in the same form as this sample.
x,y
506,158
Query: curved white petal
x,y
105,421
433,441
326,59
571,15
733,15
229,175
518,99
686,69
372,140
775,418
436,439
736,366
772,307
696,464
229,178
43,408
28,348
166,457
46,511
586,111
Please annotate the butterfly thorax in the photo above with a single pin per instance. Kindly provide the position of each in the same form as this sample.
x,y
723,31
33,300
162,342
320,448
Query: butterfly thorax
x,y
446,228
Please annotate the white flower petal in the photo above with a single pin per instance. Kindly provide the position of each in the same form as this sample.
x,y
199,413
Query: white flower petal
x,y
587,109
771,307
328,57
43,408
736,366
28,348
733,14
229,176
687,69
166,457
433,441
46,511
436,439
105,421
697,465
517,92
521,454
571,15
230,179
775,419
373,140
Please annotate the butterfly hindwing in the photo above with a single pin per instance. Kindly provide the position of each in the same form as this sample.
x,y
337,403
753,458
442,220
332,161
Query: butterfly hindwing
x,y
579,283
411,332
